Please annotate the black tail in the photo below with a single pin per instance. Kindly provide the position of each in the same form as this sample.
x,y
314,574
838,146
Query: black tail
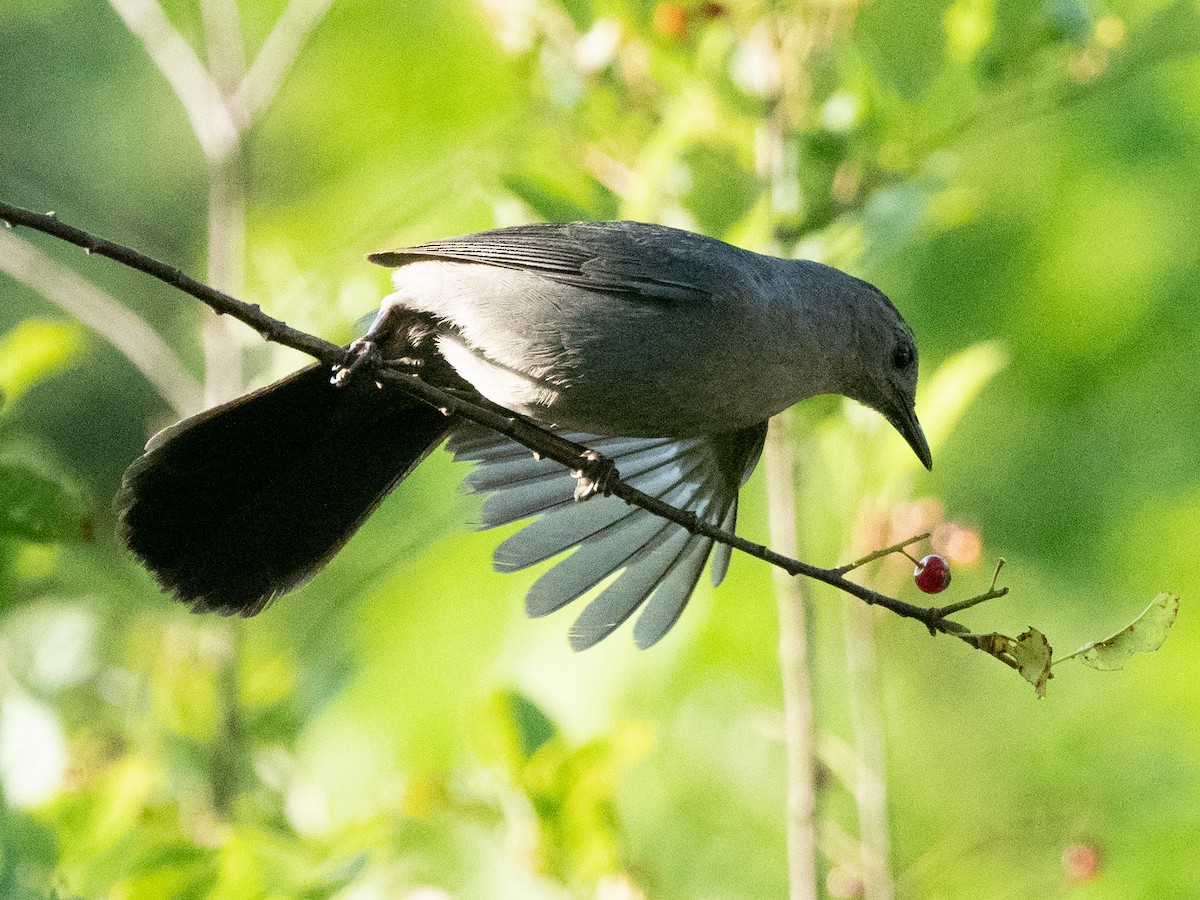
x,y
246,501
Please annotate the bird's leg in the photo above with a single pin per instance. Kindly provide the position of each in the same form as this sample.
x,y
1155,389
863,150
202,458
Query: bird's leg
x,y
364,352
397,332
594,476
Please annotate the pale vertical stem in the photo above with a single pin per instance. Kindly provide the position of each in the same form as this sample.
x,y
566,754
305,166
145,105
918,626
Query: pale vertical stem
x,y
222,101
226,271
870,784
779,458
823,27
223,381
223,39
223,361
799,728
229,750
775,160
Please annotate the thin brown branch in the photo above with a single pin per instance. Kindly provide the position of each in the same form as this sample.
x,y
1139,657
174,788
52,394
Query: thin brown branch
x,y
879,554
270,329
490,416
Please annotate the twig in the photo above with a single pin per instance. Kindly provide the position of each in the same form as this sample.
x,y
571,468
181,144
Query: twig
x,y
224,42
276,56
509,424
270,329
880,554
990,594
776,152
197,92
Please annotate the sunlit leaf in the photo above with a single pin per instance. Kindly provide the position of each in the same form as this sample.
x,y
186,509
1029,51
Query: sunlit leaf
x,y
1033,655
557,202
35,350
1144,635
954,385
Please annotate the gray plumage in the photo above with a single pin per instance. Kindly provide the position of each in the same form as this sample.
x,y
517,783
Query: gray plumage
x,y
665,351
654,557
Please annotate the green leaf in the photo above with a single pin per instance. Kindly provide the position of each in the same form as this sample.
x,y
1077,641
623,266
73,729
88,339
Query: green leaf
x,y
534,727
904,42
1144,635
1033,655
35,507
580,11
35,350
721,191
579,201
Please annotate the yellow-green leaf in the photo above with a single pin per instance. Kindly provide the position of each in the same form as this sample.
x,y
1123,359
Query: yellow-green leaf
x,y
954,385
1144,635
35,350
1033,655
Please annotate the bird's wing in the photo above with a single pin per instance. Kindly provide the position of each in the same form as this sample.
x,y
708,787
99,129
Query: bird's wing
x,y
659,562
650,261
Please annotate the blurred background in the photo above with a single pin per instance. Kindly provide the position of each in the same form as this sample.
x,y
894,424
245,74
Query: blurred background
x,y
1020,177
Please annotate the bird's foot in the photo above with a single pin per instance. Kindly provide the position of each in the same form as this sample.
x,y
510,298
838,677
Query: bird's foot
x,y
596,475
361,354
398,338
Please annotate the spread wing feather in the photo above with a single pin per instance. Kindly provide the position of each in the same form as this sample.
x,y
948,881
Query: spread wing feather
x,y
657,563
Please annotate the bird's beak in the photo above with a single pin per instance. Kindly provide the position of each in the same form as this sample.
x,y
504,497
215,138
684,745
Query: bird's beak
x,y
904,419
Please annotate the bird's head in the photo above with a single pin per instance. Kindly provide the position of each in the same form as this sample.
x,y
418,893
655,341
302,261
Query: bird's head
x,y
886,372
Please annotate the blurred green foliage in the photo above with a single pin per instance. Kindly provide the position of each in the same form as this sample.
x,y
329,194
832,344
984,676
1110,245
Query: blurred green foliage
x,y
1019,177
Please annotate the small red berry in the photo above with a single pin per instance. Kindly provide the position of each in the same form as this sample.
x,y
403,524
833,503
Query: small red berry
x,y
1082,863
932,574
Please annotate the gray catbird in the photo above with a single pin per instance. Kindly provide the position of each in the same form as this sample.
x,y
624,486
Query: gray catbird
x,y
665,351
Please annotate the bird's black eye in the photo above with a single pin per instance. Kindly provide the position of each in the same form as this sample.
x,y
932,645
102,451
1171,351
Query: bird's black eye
x,y
902,356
